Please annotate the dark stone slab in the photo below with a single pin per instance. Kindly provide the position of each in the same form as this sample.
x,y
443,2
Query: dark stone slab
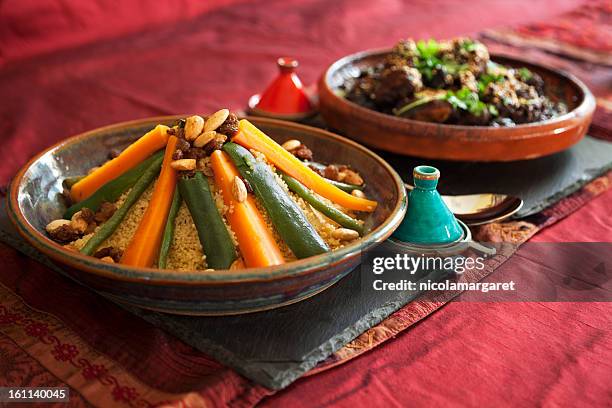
x,y
539,182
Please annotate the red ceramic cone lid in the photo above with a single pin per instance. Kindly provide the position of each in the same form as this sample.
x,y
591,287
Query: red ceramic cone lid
x,y
285,95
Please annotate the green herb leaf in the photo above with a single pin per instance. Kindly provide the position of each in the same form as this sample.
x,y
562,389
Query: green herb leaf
x,y
525,74
467,100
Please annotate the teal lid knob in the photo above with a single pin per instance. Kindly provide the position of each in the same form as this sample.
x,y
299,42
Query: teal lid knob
x,y
428,220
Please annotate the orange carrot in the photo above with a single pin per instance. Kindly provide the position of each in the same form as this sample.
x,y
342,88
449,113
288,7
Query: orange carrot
x,y
133,155
252,138
257,244
143,249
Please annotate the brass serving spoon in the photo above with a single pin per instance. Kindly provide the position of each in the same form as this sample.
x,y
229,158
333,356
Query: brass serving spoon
x,y
484,208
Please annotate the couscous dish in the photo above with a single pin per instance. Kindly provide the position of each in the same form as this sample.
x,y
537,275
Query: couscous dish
x,y
211,193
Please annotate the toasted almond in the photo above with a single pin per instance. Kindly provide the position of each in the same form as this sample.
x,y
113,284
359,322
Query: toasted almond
x,y
358,193
183,164
291,144
216,119
237,264
108,259
193,127
55,224
345,234
204,138
239,190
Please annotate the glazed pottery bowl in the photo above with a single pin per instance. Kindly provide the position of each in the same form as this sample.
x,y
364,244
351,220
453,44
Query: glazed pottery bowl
x,y
34,200
455,142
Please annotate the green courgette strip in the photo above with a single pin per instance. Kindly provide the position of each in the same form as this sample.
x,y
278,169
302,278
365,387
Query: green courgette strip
x,y
342,186
290,222
318,204
113,222
215,238
112,190
166,243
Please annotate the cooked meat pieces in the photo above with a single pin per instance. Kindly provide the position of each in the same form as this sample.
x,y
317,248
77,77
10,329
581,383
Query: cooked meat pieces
x,y
396,82
478,90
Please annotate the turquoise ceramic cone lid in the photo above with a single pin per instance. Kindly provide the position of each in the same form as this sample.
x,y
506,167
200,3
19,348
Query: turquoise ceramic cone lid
x,y
428,220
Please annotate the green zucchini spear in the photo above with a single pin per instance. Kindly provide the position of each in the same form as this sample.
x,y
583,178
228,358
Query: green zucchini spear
x,y
215,238
111,191
290,222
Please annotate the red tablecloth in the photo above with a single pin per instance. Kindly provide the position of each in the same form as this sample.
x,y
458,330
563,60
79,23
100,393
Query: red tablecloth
x,y
153,58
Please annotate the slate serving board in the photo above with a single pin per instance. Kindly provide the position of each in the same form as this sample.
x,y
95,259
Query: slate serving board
x,y
276,347
539,182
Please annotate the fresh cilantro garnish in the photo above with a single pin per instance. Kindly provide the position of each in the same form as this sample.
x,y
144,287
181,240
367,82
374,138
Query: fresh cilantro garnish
x,y
427,49
462,99
485,79
468,45
467,100
525,74
428,60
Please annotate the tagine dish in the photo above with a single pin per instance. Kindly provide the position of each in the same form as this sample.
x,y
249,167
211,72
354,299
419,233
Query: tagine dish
x,y
452,82
210,194
453,100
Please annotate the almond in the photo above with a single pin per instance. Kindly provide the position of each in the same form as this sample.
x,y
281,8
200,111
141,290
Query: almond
x,y
183,164
291,144
239,190
216,119
204,138
55,224
358,193
345,234
193,127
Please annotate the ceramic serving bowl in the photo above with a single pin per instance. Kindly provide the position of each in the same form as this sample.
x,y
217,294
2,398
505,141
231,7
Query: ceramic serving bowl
x,y
34,200
455,142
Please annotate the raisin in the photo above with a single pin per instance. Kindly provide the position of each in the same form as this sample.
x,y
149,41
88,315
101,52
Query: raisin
x,y
302,153
177,155
331,172
183,145
105,211
230,126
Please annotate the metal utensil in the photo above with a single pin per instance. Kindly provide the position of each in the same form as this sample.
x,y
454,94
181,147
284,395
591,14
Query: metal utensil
x,y
484,208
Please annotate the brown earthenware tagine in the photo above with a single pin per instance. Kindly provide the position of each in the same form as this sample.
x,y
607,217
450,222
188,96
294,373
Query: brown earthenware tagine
x,y
455,142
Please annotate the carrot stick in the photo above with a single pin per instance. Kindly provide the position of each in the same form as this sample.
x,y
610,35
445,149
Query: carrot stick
x,y
252,138
143,249
133,155
257,244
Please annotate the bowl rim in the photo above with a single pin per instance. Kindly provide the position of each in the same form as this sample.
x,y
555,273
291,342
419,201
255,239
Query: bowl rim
x,y
586,106
154,276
